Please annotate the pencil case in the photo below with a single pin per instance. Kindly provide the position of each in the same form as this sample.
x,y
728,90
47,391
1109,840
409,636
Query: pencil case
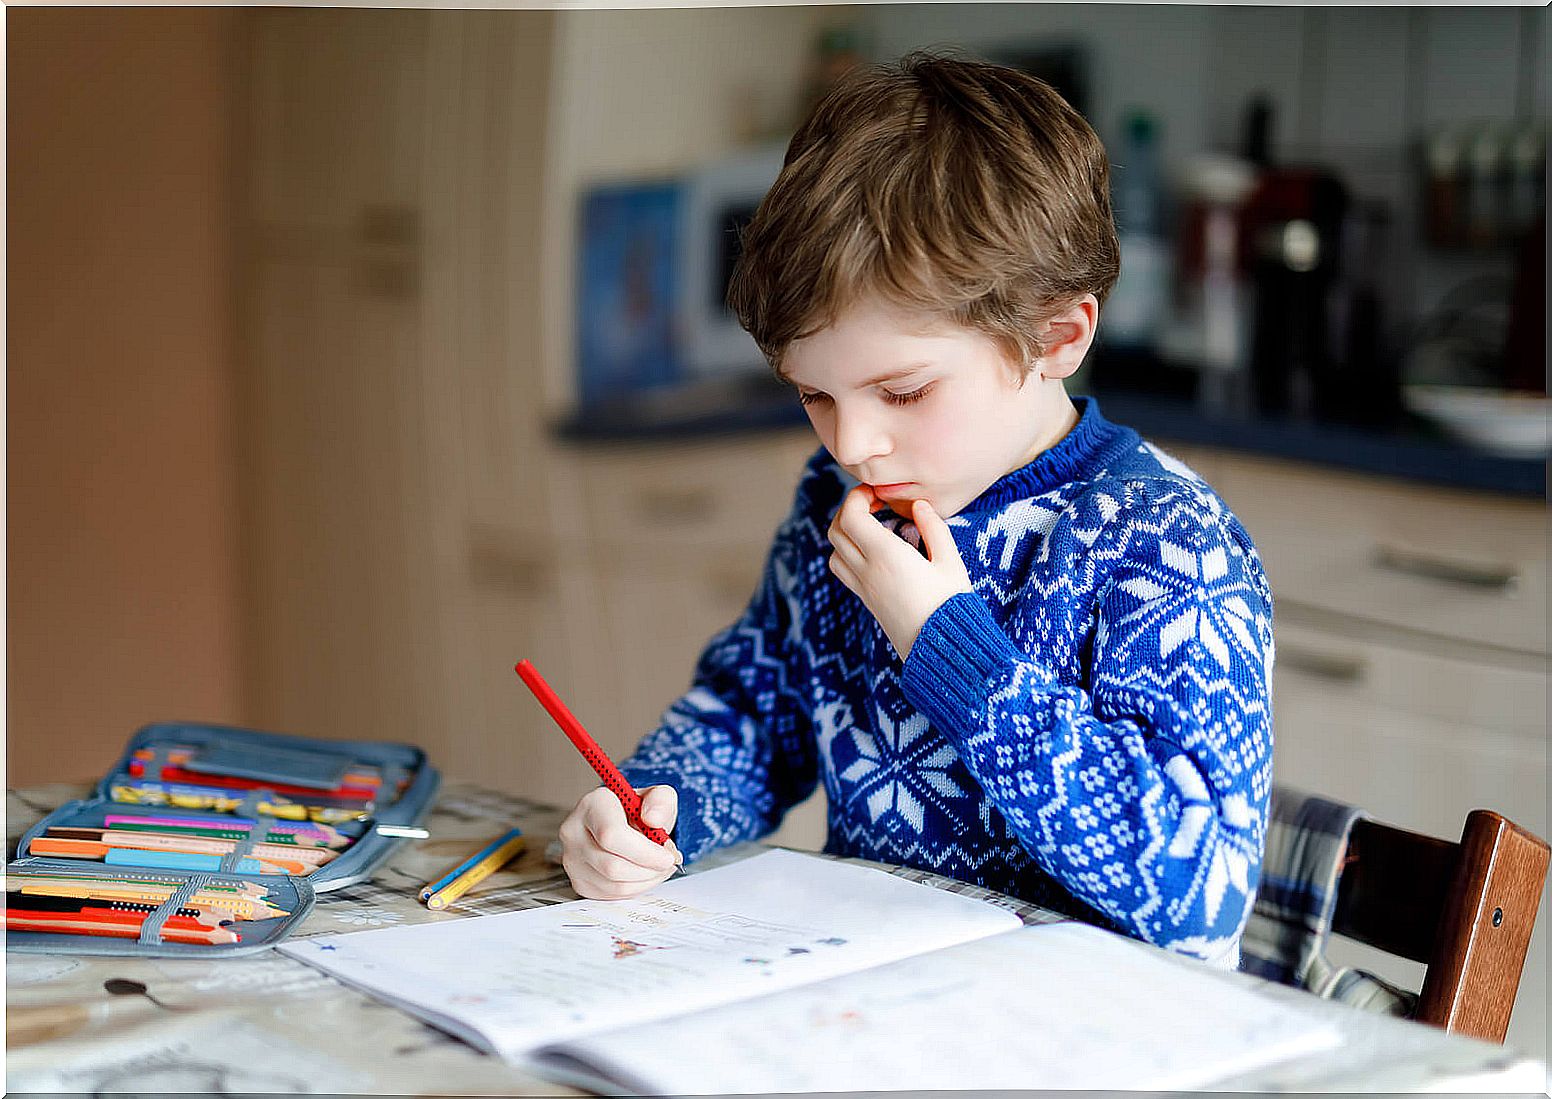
x,y
254,815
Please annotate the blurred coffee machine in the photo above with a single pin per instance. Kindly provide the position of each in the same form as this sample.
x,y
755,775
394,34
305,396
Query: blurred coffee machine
x,y
1315,256
1293,226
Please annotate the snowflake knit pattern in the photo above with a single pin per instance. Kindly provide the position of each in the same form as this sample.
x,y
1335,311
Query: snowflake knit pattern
x,y
1089,728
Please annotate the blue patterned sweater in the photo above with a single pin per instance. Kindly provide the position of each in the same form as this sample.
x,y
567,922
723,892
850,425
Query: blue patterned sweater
x,y
1090,728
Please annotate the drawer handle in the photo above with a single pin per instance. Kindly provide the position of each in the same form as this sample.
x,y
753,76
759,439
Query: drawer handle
x,y
1430,566
504,560
1335,667
685,505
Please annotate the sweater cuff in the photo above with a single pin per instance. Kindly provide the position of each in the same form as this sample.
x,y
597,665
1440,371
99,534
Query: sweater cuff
x,y
957,655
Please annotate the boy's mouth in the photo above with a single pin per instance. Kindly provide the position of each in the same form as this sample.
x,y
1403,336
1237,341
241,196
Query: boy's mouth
x,y
900,496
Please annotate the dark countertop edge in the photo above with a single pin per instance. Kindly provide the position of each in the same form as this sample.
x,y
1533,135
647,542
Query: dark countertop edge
x,y
1429,461
1406,459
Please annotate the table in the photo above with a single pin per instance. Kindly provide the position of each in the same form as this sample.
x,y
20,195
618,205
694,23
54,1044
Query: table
x,y
268,1024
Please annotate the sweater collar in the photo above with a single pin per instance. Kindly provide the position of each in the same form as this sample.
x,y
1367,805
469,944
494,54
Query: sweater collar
x,y
1091,445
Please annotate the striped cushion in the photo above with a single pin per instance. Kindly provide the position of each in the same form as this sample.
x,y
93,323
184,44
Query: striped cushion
x,y
1285,938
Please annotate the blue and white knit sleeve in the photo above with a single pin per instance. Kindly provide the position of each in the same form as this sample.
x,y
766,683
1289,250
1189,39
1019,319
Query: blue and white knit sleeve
x,y
737,747
1145,794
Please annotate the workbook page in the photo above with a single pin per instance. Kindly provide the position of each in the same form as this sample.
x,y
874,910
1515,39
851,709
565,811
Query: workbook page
x,y
1062,1006
780,919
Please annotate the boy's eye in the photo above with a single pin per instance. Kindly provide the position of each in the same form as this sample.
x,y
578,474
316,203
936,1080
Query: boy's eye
x,y
909,397
807,398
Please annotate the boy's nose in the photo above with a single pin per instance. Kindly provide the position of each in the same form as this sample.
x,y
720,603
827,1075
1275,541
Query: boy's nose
x,y
858,439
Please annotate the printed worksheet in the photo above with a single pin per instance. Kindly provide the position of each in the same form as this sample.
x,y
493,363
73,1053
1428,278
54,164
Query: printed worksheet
x,y
516,981
1060,1007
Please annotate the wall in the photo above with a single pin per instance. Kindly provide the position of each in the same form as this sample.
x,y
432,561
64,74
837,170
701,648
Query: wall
x,y
122,562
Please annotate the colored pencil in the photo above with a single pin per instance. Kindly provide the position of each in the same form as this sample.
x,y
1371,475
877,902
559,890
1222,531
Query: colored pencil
x,y
356,773
167,860
468,863
240,907
476,873
193,797
128,878
137,769
97,906
204,831
181,858
324,832
153,841
596,757
64,923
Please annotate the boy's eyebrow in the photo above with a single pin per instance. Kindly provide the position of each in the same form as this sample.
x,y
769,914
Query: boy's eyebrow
x,y
888,376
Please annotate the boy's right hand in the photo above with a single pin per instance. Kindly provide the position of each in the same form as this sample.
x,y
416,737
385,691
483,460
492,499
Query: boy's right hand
x,y
605,857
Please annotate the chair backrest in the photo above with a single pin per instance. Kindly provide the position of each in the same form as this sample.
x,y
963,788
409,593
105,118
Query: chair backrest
x,y
1464,909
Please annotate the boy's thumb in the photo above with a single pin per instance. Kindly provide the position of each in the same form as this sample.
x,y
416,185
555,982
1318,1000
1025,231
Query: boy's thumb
x,y
660,807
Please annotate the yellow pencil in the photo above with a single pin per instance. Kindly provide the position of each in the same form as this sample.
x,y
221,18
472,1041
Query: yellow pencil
x,y
476,873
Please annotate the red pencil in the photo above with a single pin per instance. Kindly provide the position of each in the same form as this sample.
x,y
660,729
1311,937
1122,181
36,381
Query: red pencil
x,y
68,924
102,914
607,771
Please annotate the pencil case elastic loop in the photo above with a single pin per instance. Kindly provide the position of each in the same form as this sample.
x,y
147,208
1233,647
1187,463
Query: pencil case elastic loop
x,y
151,926
153,766
394,776
249,809
241,848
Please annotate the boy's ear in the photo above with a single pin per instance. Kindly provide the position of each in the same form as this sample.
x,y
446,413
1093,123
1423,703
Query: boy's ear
x,y
1067,338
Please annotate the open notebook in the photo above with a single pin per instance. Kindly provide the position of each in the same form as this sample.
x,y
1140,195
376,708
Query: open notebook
x,y
786,972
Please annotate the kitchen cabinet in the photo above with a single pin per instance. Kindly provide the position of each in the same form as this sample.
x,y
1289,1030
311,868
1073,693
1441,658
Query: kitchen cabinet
x,y
678,536
1411,659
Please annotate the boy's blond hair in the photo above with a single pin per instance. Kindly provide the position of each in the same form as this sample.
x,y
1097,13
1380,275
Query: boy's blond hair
x,y
947,186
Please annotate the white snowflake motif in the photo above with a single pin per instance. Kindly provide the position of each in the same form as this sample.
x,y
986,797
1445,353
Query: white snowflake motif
x,y
1193,598
1196,817
913,772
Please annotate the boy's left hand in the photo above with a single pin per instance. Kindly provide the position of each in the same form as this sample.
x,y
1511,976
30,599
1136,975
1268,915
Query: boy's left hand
x,y
900,586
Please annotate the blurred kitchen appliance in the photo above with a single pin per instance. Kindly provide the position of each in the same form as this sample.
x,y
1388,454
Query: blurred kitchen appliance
x,y
719,200
1210,327
1294,221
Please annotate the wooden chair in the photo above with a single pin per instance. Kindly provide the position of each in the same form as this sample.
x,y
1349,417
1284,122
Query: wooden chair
x,y
1464,909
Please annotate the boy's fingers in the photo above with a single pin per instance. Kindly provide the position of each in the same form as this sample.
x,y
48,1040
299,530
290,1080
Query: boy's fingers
x,y
934,531
841,538
611,867
604,820
843,572
622,842
857,522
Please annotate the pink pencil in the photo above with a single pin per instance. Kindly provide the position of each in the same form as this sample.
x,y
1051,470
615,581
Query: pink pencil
x,y
229,823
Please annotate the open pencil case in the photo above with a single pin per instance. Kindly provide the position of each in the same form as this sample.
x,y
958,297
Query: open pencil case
x,y
196,815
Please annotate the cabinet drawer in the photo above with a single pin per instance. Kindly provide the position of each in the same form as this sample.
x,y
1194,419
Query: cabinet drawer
x,y
1452,564
658,617
1343,672
1418,772
1417,739
690,495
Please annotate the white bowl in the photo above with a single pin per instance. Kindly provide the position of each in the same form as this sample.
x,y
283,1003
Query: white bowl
x,y
1514,425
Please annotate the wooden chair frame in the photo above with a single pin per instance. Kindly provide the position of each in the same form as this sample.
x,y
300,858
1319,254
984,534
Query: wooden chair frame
x,y
1464,909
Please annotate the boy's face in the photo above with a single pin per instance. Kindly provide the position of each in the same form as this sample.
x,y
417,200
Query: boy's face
x,y
921,408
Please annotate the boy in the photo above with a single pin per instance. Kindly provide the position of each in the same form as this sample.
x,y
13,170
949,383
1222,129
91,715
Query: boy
x,y
1020,646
